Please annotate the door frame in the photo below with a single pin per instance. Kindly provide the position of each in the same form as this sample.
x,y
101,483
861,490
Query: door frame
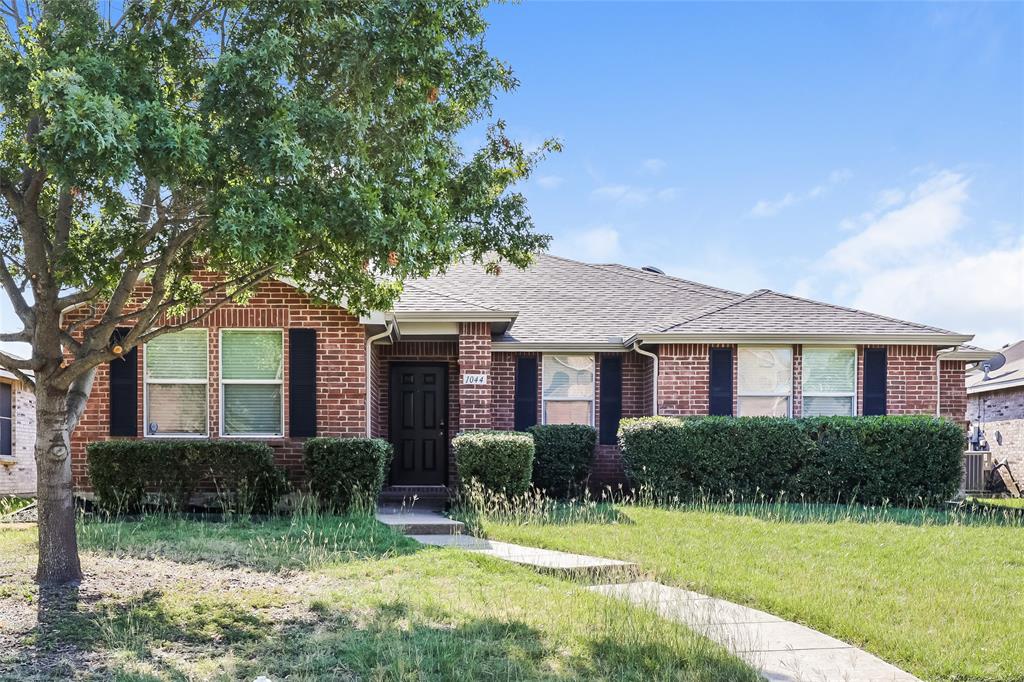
x,y
446,439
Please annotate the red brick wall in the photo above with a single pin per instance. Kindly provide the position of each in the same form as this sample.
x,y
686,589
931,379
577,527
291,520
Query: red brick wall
x,y
953,391
798,384
912,385
684,378
474,358
340,373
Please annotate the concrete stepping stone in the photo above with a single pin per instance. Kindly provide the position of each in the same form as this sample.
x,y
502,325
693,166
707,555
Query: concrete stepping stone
x,y
546,560
412,522
781,650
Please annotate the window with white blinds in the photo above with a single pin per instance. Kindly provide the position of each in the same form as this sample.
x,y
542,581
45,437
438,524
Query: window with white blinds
x,y
176,379
764,378
568,389
252,382
829,381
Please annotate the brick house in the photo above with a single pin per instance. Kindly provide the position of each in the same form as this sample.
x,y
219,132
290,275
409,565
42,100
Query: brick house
x,y
17,436
559,342
995,406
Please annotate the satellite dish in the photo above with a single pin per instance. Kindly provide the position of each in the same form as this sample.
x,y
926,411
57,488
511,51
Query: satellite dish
x,y
992,364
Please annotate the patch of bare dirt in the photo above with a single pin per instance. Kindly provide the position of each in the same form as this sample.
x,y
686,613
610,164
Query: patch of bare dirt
x,y
53,634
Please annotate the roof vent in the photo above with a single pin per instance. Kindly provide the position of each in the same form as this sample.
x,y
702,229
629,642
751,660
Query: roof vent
x,y
651,268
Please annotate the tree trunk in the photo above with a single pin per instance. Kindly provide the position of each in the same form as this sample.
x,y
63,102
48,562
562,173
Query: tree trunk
x,y
58,544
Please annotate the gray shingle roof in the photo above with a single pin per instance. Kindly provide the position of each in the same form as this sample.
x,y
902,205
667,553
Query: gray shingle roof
x,y
1010,375
562,301
769,312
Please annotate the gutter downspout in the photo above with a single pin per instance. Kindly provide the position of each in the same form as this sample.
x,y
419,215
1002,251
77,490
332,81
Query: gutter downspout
x,y
388,327
654,357
938,385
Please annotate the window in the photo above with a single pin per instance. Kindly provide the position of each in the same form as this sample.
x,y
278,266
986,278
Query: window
x,y
6,412
568,389
176,384
252,382
765,379
829,381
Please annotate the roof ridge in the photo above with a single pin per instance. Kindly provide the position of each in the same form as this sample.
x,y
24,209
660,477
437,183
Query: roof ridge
x,y
602,266
863,312
450,297
710,311
670,277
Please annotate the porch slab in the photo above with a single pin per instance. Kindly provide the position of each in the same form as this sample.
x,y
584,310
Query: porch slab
x,y
781,650
418,523
542,559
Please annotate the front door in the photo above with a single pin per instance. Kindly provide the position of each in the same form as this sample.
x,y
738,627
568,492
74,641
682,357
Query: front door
x,y
418,433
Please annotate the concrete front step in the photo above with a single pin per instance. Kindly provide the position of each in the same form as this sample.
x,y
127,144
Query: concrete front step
x,y
412,522
545,560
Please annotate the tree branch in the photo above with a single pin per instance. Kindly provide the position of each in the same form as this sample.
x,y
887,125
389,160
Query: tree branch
x,y
15,294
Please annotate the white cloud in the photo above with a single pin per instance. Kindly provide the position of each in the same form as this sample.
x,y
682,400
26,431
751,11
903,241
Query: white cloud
x,y
934,212
654,166
550,181
767,208
631,195
913,260
598,244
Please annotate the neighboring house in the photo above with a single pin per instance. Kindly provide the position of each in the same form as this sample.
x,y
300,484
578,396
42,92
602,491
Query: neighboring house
x,y
995,405
17,436
561,341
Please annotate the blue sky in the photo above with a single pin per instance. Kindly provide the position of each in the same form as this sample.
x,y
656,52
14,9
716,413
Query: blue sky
x,y
867,154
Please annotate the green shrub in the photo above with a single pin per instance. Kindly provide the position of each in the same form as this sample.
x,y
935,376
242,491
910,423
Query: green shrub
x,y
562,456
498,460
127,473
343,471
716,456
899,459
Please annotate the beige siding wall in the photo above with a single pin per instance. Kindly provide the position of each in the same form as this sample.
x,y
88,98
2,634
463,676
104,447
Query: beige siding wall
x,y
18,475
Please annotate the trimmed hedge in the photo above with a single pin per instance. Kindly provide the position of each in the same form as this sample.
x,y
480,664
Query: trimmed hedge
x,y
342,471
500,461
915,459
242,473
562,456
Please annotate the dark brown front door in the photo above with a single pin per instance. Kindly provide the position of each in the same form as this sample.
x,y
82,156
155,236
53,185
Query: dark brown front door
x,y
418,432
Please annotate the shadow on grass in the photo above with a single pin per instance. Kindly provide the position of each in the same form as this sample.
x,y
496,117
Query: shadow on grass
x,y
300,542
159,636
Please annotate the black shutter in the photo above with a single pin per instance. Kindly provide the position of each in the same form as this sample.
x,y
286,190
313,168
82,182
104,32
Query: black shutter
x,y
875,372
5,420
611,398
124,390
526,393
720,395
301,383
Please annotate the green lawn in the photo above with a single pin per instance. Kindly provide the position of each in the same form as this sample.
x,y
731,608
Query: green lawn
x,y
937,594
321,598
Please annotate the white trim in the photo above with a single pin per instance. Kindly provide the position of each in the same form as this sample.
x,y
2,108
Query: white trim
x,y
593,383
806,339
444,316
251,382
828,394
567,348
191,382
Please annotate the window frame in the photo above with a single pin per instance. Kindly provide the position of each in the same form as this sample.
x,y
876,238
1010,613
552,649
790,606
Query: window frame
x,y
740,395
593,384
9,456
852,395
194,382
221,381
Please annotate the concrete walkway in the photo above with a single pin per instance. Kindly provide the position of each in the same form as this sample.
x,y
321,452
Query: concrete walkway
x,y
418,523
781,650
543,559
